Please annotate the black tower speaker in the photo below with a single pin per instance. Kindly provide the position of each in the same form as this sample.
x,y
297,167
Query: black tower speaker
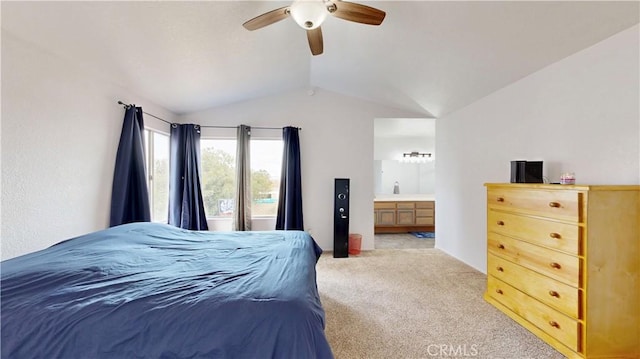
x,y
341,218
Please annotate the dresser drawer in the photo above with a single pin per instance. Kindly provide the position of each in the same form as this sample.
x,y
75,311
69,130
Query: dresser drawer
x,y
554,264
561,296
384,205
428,205
559,326
424,213
556,204
405,205
424,221
556,235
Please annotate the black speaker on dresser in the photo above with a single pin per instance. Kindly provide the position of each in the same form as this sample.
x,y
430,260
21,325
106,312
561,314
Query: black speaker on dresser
x,y
526,172
341,218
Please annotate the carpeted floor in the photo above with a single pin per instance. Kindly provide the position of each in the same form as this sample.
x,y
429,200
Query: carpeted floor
x,y
416,303
402,241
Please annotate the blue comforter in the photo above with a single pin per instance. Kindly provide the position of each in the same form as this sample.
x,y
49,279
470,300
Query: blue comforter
x,y
149,290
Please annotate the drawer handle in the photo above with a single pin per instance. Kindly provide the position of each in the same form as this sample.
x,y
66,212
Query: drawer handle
x,y
553,293
554,204
500,199
555,235
554,324
499,291
555,265
500,223
501,246
500,269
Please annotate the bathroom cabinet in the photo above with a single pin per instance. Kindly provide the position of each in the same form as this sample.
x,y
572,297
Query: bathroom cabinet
x,y
401,216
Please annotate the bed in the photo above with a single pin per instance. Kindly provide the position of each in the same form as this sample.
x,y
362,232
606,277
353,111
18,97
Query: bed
x,y
148,290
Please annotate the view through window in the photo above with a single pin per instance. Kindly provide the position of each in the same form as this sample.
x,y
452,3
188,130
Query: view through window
x,y
219,176
157,150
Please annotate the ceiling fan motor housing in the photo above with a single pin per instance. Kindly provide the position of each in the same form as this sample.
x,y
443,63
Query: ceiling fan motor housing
x,y
310,14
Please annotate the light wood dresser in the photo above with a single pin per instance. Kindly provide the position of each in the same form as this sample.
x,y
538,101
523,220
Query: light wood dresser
x,y
564,262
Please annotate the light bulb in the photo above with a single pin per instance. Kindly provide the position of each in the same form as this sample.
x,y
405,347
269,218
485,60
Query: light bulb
x,y
309,14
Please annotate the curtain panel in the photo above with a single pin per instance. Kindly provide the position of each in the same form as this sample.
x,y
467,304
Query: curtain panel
x,y
242,213
129,194
290,198
186,206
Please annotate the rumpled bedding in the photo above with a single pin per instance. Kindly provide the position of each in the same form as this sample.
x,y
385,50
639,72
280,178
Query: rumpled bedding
x,y
148,290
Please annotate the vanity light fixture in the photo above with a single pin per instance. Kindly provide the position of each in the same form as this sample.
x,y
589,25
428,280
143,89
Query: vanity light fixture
x,y
416,157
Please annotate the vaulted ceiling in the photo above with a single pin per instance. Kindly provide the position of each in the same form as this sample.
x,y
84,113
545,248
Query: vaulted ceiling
x,y
430,57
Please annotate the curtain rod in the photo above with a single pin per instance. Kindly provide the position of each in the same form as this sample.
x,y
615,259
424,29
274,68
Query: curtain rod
x,y
170,123
252,127
146,113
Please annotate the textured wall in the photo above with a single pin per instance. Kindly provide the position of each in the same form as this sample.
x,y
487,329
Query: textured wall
x,y
60,130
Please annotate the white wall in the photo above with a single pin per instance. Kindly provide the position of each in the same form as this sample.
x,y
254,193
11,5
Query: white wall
x,y
336,141
60,130
579,114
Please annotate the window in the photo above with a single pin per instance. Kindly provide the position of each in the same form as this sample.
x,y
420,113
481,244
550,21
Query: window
x,y
266,167
157,150
218,164
218,160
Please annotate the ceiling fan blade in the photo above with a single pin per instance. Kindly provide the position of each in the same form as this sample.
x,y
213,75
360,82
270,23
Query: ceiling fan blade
x,y
357,12
267,18
315,41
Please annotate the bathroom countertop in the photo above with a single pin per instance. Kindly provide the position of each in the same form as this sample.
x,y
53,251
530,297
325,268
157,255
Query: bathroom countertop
x,y
403,197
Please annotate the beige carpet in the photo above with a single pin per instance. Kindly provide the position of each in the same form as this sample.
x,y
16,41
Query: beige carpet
x,y
402,241
416,303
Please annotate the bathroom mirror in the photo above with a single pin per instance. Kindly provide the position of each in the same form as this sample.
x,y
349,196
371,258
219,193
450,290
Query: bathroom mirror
x,y
394,138
412,178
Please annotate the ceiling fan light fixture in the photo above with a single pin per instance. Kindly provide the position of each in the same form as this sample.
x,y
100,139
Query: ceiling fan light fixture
x,y
309,14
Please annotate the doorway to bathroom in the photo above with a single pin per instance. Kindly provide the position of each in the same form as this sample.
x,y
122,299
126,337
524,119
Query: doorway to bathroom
x,y
404,182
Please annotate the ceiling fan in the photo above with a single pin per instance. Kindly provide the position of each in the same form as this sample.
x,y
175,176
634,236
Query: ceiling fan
x,y
310,14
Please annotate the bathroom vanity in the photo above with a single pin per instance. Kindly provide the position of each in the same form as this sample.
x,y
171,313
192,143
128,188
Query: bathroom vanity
x,y
402,214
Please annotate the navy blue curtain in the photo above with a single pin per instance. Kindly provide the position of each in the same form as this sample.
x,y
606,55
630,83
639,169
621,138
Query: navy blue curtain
x,y
290,200
186,207
129,194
